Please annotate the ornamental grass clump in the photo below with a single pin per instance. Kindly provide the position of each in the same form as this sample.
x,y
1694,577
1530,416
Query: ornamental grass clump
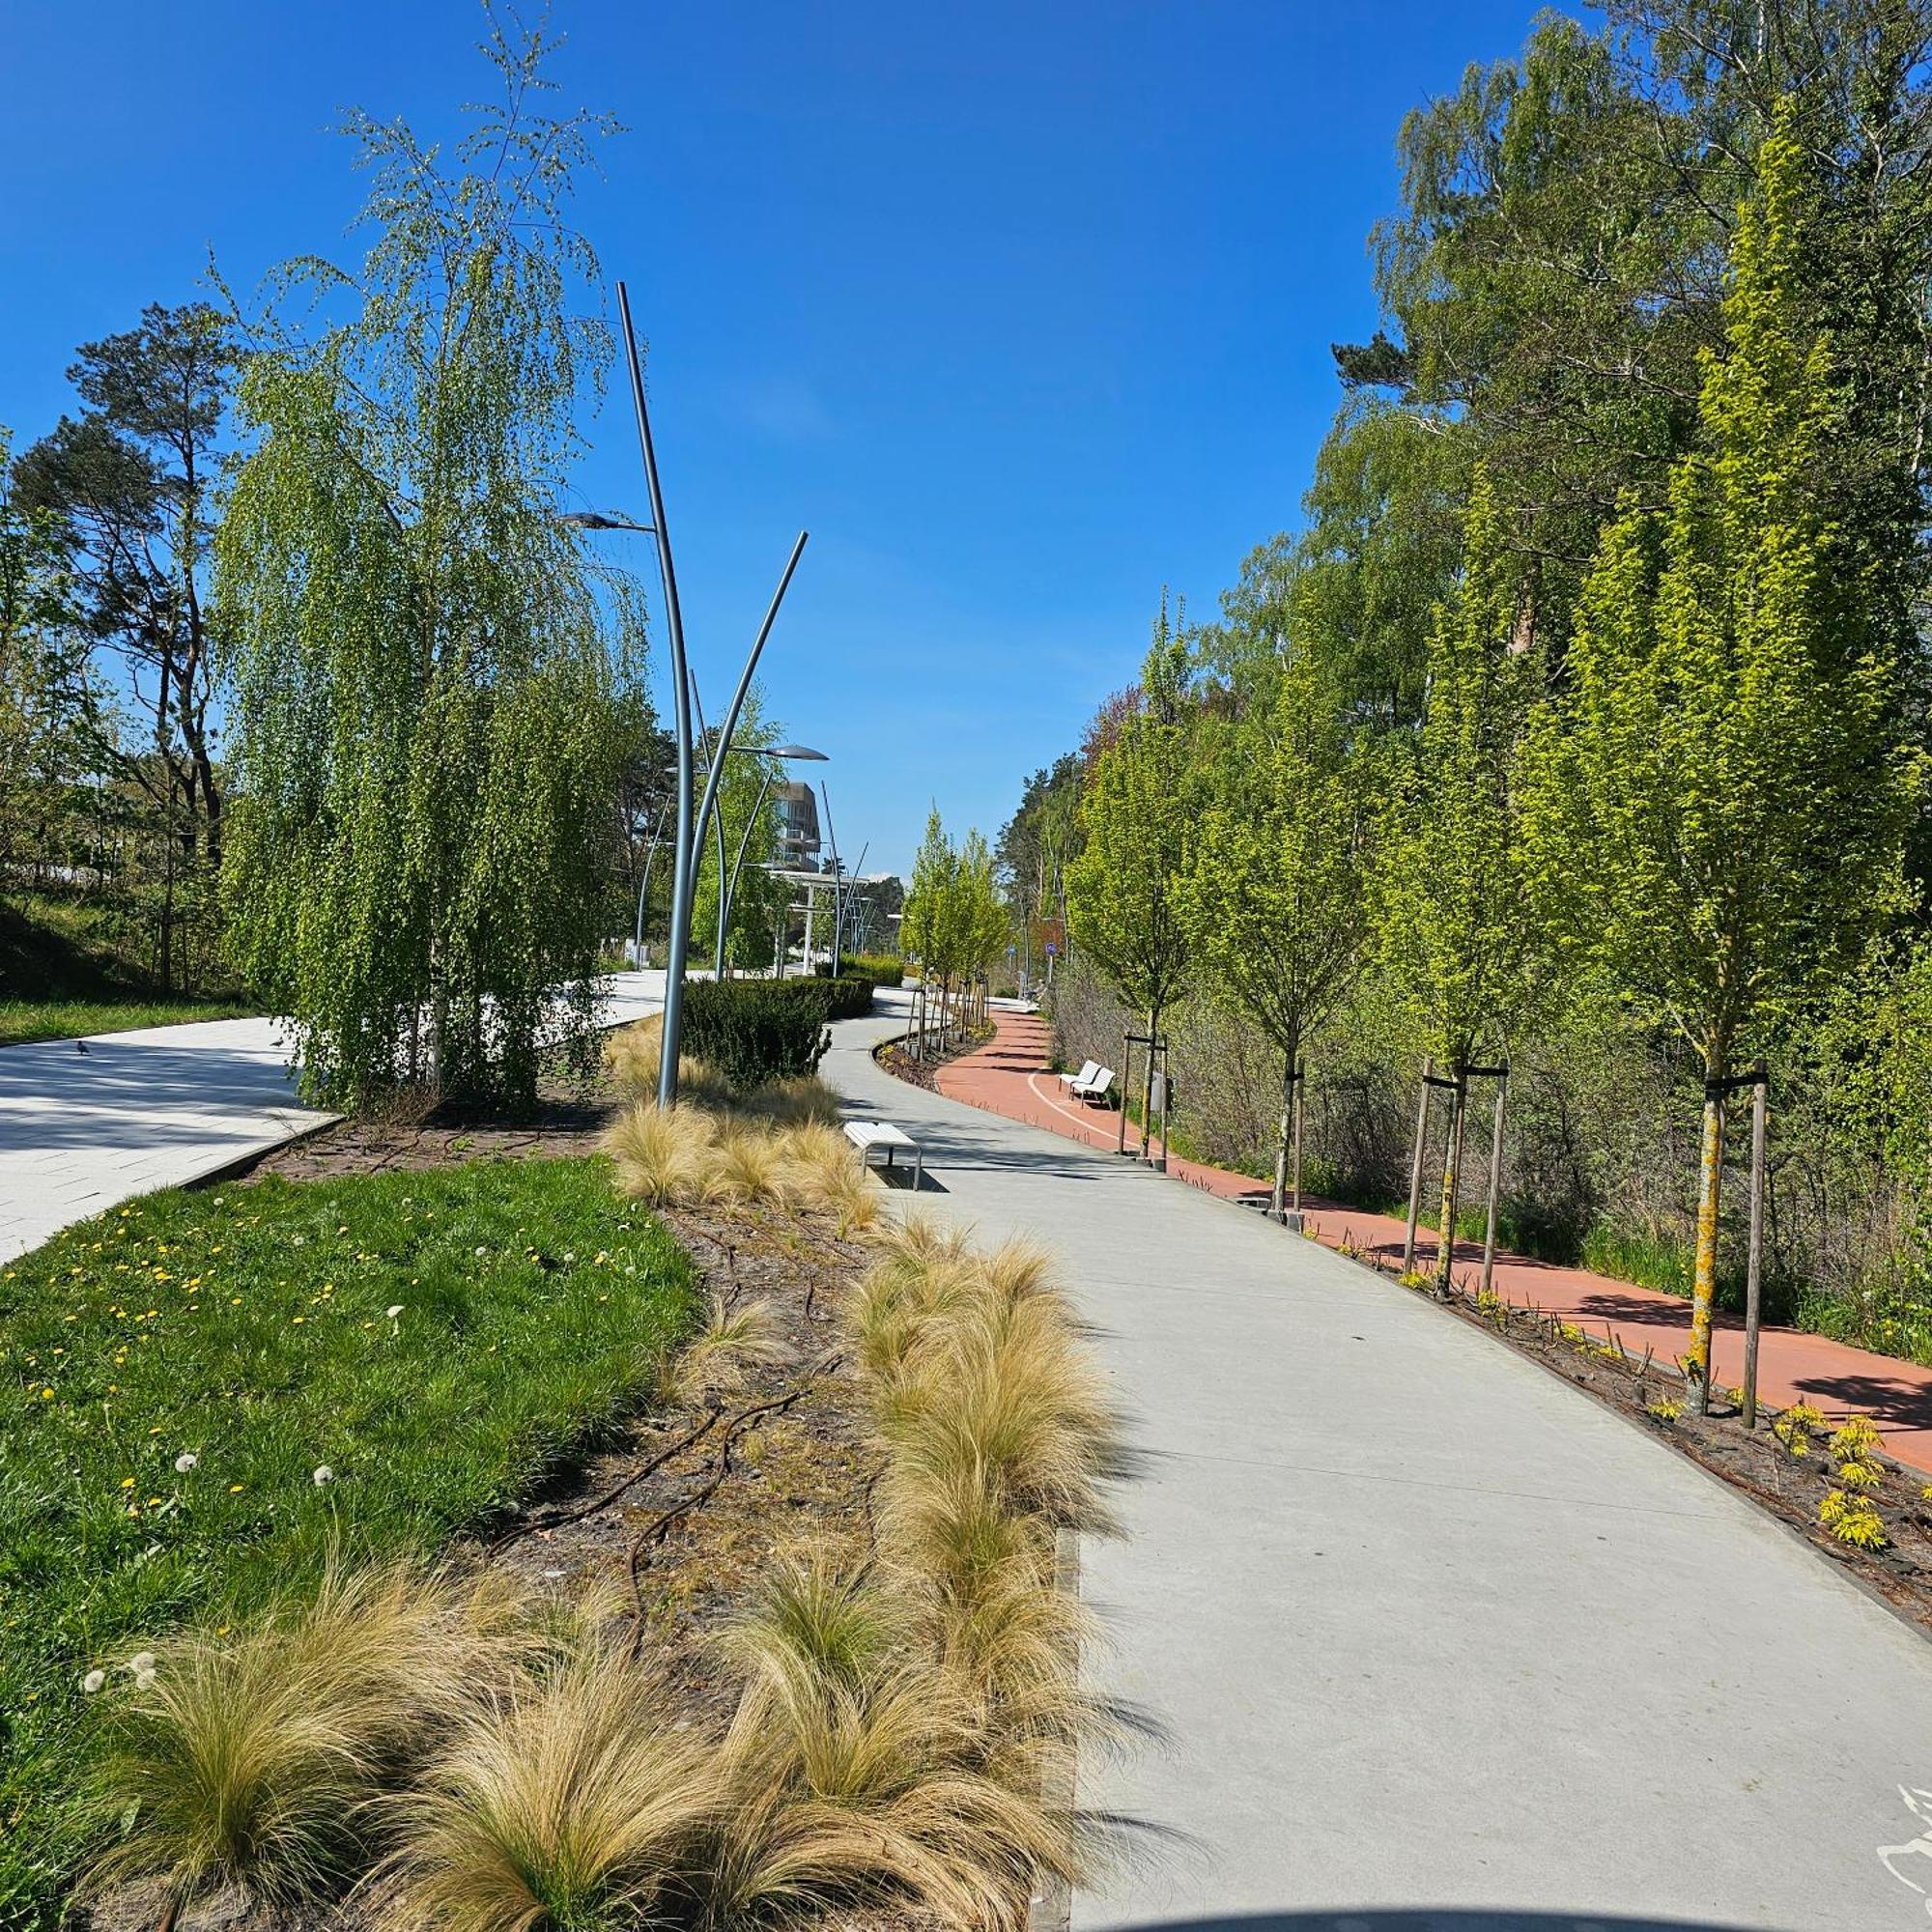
x,y
735,1341
248,1761
860,1775
568,1802
663,1155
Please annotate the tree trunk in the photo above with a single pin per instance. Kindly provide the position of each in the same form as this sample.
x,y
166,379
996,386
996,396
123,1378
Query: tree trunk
x,y
1452,1176
1423,1093
1147,1083
1710,1190
1300,1093
1278,1200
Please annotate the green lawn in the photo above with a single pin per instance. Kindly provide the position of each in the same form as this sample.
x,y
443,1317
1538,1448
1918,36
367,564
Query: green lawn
x,y
24,1020
249,1328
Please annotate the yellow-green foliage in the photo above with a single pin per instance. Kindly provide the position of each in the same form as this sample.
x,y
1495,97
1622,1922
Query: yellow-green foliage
x,y
1663,1410
1795,1425
1855,1438
1853,1519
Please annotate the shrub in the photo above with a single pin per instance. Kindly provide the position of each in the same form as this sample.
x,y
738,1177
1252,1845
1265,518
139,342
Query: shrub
x,y
882,969
753,1032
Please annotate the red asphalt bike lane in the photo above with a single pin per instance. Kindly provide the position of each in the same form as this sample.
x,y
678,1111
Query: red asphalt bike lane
x,y
1011,1075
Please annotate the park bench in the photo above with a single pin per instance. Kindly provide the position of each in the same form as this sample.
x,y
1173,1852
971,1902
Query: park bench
x,y
871,1136
1094,1091
1080,1079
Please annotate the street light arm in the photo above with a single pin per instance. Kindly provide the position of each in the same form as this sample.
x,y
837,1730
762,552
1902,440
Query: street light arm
x,y
680,891
730,723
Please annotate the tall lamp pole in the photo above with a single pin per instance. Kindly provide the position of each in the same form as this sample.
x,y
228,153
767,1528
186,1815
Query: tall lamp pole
x,y
832,838
692,818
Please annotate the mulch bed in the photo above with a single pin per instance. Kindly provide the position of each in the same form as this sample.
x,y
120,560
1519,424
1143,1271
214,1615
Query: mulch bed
x,y
1756,1461
700,1495
896,1059
685,1518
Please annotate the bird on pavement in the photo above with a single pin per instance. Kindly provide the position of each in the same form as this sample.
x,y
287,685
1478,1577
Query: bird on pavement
x,y
80,1046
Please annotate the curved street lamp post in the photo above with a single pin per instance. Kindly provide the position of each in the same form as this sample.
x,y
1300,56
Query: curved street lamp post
x,y
691,824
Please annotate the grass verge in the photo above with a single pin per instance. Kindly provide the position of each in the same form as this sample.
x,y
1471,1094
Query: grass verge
x,y
25,1020
178,1375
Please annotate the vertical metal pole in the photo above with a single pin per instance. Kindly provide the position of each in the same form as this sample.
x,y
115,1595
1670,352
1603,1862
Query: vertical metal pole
x,y
680,889
1166,1100
1415,1164
1126,1084
832,838
1496,1181
1755,1253
1300,1084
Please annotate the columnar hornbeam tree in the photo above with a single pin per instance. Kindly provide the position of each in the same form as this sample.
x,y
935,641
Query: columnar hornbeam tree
x,y
1275,903
1124,890
1720,798
1450,904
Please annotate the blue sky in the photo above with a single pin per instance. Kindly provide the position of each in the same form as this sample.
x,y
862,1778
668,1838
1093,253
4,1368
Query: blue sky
x,y
1022,309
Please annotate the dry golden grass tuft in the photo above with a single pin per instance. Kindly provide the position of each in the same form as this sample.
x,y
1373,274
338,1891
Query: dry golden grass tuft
x,y
860,1773
734,1342
247,1760
663,1155
569,1802
805,1101
747,1166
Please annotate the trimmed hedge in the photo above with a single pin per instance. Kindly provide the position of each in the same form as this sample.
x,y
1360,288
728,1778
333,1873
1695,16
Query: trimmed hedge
x,y
755,1031
882,969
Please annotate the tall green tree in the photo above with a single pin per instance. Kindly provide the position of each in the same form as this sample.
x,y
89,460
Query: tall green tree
x,y
1274,905
1125,889
427,738
1721,799
1449,903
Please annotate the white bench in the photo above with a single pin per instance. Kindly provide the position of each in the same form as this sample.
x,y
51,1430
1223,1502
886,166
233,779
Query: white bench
x,y
869,1136
1095,1090
1080,1079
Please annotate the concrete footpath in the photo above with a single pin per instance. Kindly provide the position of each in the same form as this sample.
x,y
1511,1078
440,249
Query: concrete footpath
x,y
159,1107
1438,1642
1010,1076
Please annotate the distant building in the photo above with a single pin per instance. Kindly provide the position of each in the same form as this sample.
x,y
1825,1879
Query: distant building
x,y
798,825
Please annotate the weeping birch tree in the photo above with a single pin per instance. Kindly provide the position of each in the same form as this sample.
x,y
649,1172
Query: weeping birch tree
x,y
1124,892
1721,799
1275,903
426,739
1449,900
